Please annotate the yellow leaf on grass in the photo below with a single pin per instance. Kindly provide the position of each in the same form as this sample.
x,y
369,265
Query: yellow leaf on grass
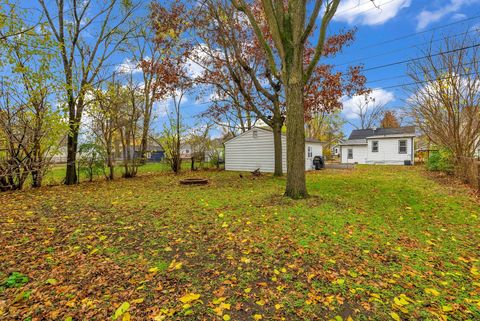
x,y
218,300
247,290
257,317
153,270
137,301
226,317
401,300
432,292
475,271
447,308
121,310
126,317
395,316
52,281
260,302
190,297
175,265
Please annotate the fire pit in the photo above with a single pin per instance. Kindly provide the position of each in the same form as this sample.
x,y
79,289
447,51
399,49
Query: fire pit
x,y
194,181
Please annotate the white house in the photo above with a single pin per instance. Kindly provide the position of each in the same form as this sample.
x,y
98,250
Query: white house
x,y
336,150
391,146
254,149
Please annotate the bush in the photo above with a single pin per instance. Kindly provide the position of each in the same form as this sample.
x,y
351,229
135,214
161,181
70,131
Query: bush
x,y
91,160
441,160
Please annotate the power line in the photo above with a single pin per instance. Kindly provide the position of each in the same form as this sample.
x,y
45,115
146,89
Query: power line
x,y
403,75
419,32
429,81
420,58
403,49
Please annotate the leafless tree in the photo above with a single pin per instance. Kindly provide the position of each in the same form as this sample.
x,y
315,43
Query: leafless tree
x,y
174,131
445,95
128,124
368,113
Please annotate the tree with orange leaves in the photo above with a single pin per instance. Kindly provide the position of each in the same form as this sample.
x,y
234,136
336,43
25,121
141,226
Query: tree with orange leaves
x,y
236,66
389,120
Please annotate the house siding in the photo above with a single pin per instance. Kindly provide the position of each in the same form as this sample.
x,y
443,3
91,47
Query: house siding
x,y
246,153
359,154
316,151
388,151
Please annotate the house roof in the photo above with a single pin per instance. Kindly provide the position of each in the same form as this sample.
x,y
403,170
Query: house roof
x,y
379,132
307,140
312,140
360,136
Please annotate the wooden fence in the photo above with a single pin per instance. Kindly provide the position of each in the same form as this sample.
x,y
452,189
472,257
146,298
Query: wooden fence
x,y
468,170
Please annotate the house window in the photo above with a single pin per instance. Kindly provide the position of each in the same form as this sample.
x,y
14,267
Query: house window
x,y
309,152
350,153
375,146
402,146
255,134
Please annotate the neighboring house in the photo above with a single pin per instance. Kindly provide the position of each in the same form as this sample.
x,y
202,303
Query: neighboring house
x,y
254,149
336,150
336,145
186,151
154,151
391,146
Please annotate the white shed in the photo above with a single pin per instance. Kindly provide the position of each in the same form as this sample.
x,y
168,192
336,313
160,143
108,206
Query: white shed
x,y
254,149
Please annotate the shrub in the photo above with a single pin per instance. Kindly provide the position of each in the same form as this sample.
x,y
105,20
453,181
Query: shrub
x,y
441,160
91,160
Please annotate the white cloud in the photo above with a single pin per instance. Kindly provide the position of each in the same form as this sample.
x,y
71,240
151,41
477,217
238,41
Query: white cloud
x,y
128,66
427,17
380,96
163,107
369,12
459,16
201,55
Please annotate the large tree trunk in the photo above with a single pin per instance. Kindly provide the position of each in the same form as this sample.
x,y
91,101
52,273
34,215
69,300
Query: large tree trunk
x,y
72,144
296,186
277,143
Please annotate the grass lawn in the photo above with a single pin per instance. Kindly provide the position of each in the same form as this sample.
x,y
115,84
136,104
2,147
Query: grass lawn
x,y
56,174
376,243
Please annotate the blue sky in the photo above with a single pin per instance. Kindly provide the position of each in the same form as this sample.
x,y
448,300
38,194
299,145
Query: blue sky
x,y
376,44
388,32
